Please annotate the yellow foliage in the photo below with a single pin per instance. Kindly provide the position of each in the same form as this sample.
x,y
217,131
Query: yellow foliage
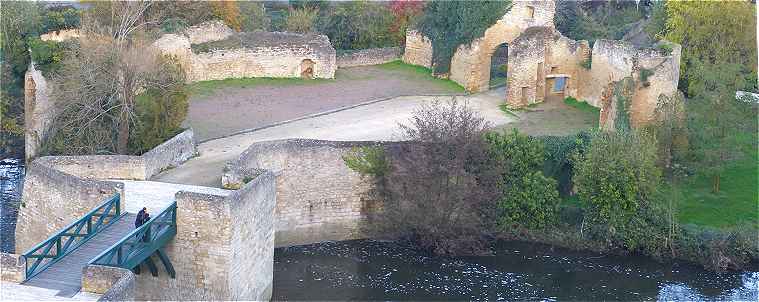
x,y
229,12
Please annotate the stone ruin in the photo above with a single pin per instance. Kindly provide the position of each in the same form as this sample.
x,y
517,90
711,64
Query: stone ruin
x,y
213,51
543,64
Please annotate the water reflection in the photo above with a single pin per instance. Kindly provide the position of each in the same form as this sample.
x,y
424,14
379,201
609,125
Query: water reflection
x,y
373,270
11,184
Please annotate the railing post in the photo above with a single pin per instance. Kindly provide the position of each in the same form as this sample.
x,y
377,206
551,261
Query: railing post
x,y
118,204
58,247
89,225
118,255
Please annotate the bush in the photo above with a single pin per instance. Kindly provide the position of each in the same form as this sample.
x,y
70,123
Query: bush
x,y
58,18
587,63
253,16
160,115
301,20
440,191
47,55
359,25
644,74
529,198
558,151
617,176
367,161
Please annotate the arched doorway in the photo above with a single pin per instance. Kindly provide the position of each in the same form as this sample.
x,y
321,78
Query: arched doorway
x,y
499,62
307,69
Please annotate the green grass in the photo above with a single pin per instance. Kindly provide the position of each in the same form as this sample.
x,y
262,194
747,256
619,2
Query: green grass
x,y
421,72
505,108
582,106
498,81
738,200
208,87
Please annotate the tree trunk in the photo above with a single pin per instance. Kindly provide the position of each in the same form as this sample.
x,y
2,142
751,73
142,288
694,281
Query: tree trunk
x,y
123,136
715,188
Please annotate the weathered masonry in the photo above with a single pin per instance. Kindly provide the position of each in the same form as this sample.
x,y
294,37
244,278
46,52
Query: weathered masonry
x,y
543,64
213,51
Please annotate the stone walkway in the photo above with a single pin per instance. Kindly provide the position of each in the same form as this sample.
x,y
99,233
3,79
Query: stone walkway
x,y
10,291
377,121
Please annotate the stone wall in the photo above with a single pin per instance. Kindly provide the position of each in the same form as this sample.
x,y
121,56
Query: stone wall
x,y
224,247
615,60
100,279
248,54
123,289
536,58
170,154
372,56
38,111
470,65
208,31
318,197
53,199
12,268
418,49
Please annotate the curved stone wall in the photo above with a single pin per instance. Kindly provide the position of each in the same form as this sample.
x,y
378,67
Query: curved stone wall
x,y
318,197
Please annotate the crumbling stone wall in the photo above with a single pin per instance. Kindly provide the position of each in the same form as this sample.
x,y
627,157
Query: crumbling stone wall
x,y
248,54
224,247
418,50
12,268
615,60
39,111
318,197
539,56
372,56
470,65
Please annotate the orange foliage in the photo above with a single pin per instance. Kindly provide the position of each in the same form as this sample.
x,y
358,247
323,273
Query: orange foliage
x,y
229,12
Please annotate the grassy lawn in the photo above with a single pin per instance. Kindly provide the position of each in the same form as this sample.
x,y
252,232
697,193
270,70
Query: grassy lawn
x,y
738,200
206,88
420,72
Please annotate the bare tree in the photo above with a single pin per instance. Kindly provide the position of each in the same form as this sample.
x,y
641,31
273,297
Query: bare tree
x,y
96,90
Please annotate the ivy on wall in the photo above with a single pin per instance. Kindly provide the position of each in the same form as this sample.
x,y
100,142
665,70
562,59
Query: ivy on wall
x,y
449,24
623,91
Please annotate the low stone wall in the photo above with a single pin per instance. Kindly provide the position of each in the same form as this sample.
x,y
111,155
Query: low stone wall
x,y
12,268
53,199
208,31
98,166
418,49
372,56
122,290
224,247
116,283
170,154
318,197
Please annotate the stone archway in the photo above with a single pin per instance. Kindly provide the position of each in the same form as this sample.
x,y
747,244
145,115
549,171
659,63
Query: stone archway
x,y
307,69
499,60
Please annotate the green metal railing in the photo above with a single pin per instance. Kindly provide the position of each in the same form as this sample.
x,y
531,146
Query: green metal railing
x,y
137,247
71,237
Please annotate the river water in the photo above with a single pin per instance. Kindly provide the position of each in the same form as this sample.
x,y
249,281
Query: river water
x,y
11,184
375,270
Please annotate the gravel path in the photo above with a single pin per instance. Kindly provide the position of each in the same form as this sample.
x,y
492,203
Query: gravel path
x,y
378,121
233,109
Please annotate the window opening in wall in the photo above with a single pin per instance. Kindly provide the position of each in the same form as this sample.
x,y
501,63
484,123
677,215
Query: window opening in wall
x,y
558,84
524,95
554,69
530,12
539,73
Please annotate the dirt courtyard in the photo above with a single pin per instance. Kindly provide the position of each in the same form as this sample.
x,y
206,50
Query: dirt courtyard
x,y
237,105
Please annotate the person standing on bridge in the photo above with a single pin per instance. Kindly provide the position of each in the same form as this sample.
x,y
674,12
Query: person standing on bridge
x,y
140,220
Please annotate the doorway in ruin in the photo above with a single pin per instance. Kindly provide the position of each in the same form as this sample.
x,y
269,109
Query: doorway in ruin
x,y
307,69
499,62
556,86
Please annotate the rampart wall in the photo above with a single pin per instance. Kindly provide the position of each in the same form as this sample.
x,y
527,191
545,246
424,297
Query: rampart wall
x,y
38,111
318,197
53,199
224,247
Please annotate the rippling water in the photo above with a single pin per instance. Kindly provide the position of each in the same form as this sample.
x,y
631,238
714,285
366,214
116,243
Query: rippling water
x,y
374,270
11,184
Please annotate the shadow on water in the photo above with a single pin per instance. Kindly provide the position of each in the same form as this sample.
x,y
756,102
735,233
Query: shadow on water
x,y
11,185
375,270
